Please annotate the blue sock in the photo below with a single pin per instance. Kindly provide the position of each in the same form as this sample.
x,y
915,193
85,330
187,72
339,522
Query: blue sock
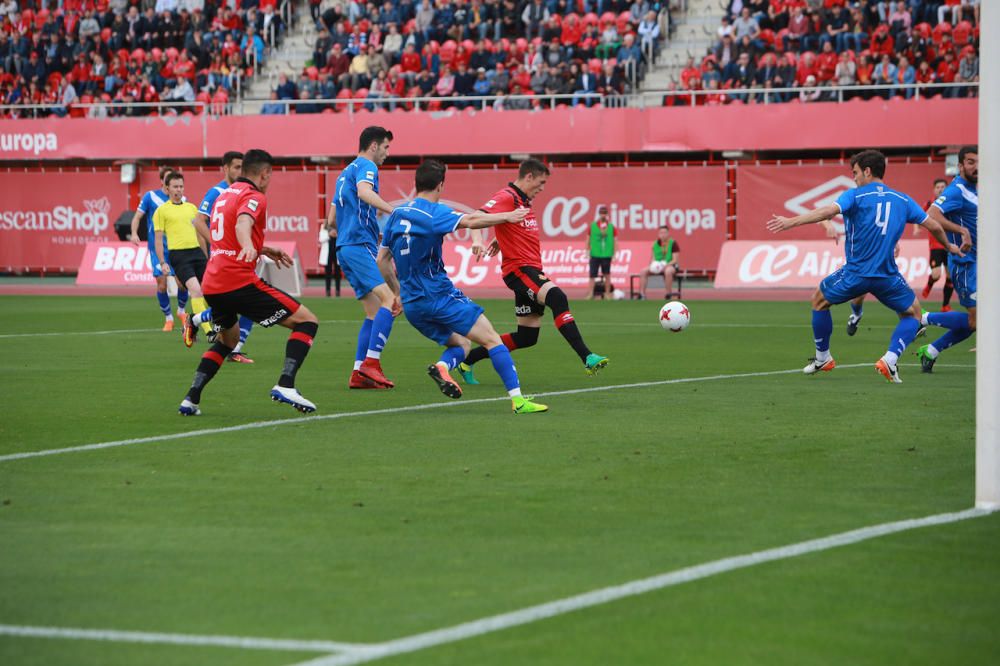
x,y
452,356
822,329
951,338
364,335
906,331
381,328
182,299
954,321
202,317
504,365
246,325
858,310
164,300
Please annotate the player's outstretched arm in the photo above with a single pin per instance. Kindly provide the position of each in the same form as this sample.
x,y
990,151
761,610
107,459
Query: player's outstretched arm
x,y
481,220
935,229
934,213
279,257
368,194
778,223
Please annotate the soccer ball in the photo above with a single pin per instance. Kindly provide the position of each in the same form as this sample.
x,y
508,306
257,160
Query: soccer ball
x,y
618,295
657,267
674,316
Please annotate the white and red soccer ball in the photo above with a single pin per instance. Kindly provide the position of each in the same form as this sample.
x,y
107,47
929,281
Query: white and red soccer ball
x,y
674,316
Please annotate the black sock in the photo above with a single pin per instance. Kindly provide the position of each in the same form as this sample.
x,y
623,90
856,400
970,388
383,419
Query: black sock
x,y
298,345
564,321
949,289
524,336
210,363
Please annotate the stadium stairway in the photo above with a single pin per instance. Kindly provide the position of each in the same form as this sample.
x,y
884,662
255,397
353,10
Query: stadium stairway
x,y
694,35
295,51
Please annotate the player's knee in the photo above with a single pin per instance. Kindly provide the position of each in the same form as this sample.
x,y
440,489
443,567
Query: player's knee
x,y
525,336
556,299
818,300
305,315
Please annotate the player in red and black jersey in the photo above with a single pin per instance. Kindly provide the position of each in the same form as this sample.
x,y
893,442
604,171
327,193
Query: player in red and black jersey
x,y
232,287
938,257
520,249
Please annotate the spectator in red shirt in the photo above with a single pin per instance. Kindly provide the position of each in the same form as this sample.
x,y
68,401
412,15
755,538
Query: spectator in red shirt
x,y
947,69
409,63
826,64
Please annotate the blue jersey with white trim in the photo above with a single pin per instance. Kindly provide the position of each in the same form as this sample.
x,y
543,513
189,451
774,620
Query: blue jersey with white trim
x,y
357,222
414,234
959,202
875,216
147,206
206,204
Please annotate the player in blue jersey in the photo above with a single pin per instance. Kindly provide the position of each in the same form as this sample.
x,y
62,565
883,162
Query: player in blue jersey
x,y
957,210
433,305
147,206
232,168
358,204
874,218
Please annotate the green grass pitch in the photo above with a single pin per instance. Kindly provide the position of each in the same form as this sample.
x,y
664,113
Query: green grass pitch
x,y
367,529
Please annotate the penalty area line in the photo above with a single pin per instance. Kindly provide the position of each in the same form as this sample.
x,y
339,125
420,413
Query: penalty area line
x,y
605,595
306,420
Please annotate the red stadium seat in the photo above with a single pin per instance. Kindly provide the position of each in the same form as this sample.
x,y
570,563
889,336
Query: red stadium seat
x,y
219,101
138,55
606,18
172,53
106,35
156,53
410,26
923,29
590,19
940,30
312,72
623,21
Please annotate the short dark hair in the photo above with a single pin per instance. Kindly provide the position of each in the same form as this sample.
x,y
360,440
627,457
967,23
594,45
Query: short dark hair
x,y
967,150
372,134
164,171
255,161
429,175
870,159
231,156
533,167
172,176
940,180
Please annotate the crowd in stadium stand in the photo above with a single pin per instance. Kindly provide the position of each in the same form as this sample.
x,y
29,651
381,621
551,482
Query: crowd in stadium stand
x,y
66,53
182,50
830,44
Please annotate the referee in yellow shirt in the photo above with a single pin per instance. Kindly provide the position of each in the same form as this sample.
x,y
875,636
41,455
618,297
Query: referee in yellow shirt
x,y
172,223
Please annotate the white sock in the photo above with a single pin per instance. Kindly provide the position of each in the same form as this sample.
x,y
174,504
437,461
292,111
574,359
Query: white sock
x,y
932,351
822,356
891,358
373,354
923,319
237,348
514,392
357,365
170,317
180,312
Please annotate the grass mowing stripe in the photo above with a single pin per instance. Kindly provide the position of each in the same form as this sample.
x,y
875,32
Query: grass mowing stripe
x,y
116,636
394,410
602,596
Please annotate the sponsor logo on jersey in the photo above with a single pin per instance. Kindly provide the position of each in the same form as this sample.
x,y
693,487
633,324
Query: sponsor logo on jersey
x,y
252,205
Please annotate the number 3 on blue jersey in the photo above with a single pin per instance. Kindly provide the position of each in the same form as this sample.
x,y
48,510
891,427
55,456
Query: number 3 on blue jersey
x,y
882,222
406,235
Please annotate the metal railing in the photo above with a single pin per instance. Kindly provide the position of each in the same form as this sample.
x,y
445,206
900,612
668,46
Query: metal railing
x,y
107,109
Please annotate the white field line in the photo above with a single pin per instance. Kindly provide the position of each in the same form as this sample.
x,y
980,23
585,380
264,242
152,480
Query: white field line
x,y
396,410
602,596
129,330
116,636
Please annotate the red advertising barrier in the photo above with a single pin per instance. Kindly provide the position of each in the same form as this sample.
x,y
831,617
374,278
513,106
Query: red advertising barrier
x,y
46,219
790,189
934,122
112,263
291,205
791,263
688,200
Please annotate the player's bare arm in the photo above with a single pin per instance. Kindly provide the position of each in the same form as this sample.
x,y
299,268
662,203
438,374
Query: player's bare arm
x,y
831,231
367,193
481,220
134,236
934,213
161,243
244,225
200,224
777,224
478,243
279,257
331,221
935,229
